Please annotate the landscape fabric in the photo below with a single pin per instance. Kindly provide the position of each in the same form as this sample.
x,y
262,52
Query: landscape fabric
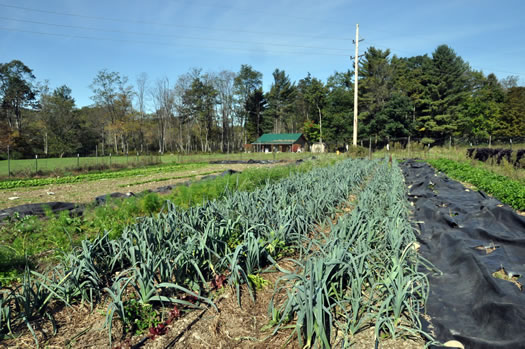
x,y
468,236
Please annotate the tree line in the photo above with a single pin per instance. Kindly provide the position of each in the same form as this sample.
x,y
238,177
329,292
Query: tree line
x,y
424,97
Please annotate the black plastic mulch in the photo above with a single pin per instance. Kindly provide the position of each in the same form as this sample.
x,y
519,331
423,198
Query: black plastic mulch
x,y
468,236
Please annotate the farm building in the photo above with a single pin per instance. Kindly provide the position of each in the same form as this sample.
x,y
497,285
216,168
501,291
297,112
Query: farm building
x,y
283,142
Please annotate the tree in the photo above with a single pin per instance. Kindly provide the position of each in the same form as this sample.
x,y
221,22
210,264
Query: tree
x,y
114,95
225,86
311,131
61,122
509,82
410,79
16,92
337,128
199,101
309,102
316,96
142,89
478,115
164,100
375,86
255,105
512,121
246,83
280,102
447,89
394,120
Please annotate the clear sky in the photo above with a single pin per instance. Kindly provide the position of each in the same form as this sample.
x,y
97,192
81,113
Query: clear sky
x,y
68,42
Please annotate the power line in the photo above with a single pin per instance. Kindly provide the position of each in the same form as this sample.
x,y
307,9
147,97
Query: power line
x,y
117,20
169,35
69,36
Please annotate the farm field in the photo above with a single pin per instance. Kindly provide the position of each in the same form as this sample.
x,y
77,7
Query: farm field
x,y
345,273
29,237
327,256
85,188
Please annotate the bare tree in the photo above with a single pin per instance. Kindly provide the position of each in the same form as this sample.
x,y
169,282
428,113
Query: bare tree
x,y
224,84
164,100
142,89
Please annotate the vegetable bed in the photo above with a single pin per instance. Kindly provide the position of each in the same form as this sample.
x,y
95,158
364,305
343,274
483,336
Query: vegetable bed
x,y
363,272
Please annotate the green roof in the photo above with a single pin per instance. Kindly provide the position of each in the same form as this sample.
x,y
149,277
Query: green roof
x,y
278,138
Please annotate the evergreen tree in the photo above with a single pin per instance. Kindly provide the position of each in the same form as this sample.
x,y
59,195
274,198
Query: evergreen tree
x,y
280,103
62,126
338,111
447,89
375,87
255,106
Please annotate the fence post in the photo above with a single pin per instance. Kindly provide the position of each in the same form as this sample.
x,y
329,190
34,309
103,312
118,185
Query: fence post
x,y
8,162
78,160
127,157
109,159
36,162
511,143
137,158
370,149
449,142
408,146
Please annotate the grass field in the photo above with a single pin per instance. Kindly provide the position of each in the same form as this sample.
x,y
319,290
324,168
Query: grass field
x,y
26,167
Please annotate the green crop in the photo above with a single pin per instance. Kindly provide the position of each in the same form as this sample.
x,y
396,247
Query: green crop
x,y
508,191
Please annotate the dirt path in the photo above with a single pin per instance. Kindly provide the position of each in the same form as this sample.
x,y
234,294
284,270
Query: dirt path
x,y
85,192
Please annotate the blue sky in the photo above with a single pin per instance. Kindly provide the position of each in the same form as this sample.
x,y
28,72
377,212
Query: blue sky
x,y
68,42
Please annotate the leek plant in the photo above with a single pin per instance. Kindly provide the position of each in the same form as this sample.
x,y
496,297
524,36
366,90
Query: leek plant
x,y
363,273
165,259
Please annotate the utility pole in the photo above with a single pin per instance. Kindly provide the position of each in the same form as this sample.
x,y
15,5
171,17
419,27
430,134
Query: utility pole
x,y
356,72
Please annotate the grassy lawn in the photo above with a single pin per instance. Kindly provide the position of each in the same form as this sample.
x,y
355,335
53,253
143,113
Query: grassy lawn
x,y
27,167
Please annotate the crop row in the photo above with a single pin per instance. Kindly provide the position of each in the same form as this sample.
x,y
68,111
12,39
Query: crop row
x,y
165,260
363,273
38,182
509,191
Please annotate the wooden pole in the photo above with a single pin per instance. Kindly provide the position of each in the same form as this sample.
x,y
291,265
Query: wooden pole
x,y
8,162
370,148
356,75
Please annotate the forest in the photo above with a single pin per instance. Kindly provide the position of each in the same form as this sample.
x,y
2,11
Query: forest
x,y
429,98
